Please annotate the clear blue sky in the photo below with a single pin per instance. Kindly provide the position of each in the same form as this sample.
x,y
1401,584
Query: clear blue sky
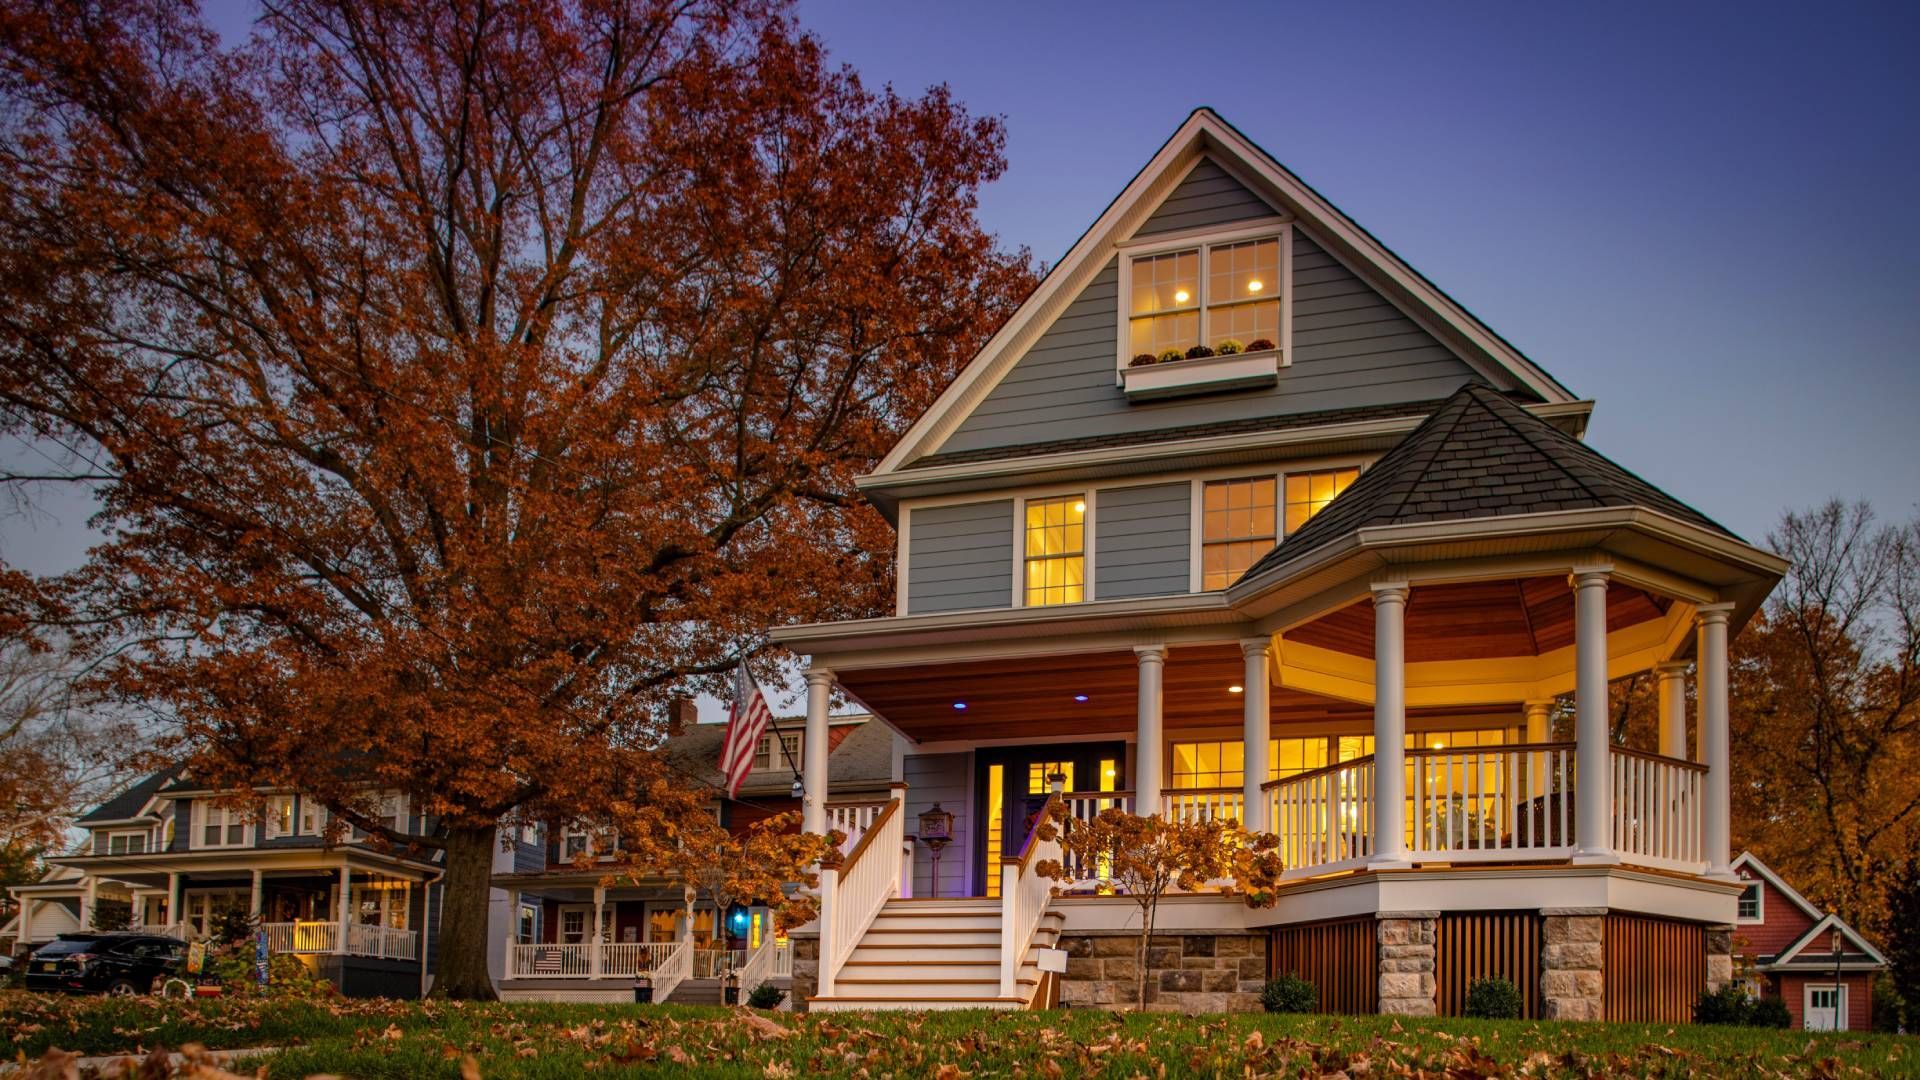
x,y
1702,216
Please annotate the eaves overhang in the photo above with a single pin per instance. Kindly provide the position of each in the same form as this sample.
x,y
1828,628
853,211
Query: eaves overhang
x,y
1185,610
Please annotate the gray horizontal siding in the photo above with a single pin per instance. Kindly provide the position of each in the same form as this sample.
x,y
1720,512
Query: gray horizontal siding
x,y
941,779
1142,540
1351,348
960,557
1208,196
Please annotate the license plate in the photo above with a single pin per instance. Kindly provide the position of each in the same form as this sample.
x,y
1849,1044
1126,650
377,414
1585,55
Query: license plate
x,y
46,965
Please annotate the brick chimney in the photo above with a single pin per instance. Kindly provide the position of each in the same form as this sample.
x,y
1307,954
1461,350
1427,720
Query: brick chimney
x,y
682,714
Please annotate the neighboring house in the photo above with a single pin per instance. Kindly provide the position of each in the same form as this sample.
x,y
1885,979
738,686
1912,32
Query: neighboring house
x,y
1812,960
1358,583
359,915
560,892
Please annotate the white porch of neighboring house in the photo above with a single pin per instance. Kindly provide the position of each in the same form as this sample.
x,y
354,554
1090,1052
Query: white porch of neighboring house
x,y
1438,695
343,903
577,938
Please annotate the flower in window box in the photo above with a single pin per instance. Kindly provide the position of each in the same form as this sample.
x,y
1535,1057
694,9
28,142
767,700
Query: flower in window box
x,y
1198,352
1170,355
1143,359
1259,345
1229,347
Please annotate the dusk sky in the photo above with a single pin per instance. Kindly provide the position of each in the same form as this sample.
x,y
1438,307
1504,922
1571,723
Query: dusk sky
x,y
1702,216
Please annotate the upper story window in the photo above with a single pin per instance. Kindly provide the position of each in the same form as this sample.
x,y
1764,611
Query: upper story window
x,y
312,817
772,755
575,841
120,843
219,826
1056,557
279,816
1309,493
1206,294
1237,528
1750,909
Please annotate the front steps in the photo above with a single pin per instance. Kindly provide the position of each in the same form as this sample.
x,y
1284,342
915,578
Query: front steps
x,y
696,992
934,954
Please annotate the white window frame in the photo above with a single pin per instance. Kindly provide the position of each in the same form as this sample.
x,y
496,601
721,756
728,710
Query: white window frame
x,y
312,817
1760,903
1087,539
1197,501
567,835
203,812
775,761
270,820
586,922
1269,228
1840,1005
145,836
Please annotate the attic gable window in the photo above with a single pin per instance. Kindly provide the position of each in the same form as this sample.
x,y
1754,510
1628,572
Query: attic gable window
x,y
1202,314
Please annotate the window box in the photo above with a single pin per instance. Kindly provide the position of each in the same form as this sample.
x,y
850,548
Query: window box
x,y
1206,375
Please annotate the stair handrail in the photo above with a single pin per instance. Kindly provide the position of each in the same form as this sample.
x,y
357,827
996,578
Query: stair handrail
x,y
674,970
1025,893
757,969
855,888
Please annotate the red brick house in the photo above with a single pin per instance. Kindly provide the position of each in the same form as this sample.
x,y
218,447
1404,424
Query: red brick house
x,y
1821,967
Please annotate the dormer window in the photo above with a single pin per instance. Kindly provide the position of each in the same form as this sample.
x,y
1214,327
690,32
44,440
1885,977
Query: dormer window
x,y
1204,315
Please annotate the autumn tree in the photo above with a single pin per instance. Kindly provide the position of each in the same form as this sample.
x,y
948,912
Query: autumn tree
x,y
1825,708
756,863
58,754
459,381
1145,858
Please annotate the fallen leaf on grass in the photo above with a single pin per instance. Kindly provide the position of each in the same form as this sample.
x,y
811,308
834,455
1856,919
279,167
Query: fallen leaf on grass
x,y
763,1028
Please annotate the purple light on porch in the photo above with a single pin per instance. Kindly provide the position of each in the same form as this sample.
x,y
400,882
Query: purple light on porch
x,y
960,705
1079,697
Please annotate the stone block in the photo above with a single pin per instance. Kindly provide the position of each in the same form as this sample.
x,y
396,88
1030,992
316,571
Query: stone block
x,y
1572,956
1077,947
1394,932
1402,984
1162,957
1253,967
1252,986
1203,1003
1197,944
1245,1001
1165,941
1077,993
1720,942
1120,967
1407,1007
1115,945
1198,963
1081,970
1232,945
1559,929
1220,981
1179,981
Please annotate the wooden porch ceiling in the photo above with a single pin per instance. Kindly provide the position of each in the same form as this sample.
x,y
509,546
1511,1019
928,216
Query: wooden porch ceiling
x,y
1034,697
1480,620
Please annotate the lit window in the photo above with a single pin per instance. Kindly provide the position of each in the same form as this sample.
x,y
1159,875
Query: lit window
x,y
771,756
279,816
1056,551
1238,519
1309,493
1291,757
1204,296
1038,772
312,816
1223,764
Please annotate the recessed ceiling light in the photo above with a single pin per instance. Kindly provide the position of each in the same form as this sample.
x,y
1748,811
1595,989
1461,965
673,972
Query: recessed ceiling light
x,y
1235,689
1180,296
1080,507
1079,697
1254,285
959,704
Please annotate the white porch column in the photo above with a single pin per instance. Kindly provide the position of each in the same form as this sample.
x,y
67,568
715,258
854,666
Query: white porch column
x,y
1255,724
87,894
1715,736
813,752
257,900
1593,785
598,937
513,932
1152,660
1389,724
25,936
1539,726
1672,686
346,906
174,917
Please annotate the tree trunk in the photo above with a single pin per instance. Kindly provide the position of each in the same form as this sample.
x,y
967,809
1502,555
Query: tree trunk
x,y
464,906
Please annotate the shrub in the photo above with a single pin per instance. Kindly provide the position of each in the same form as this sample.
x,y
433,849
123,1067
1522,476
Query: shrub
x,y
1143,359
1888,1008
1228,347
1199,352
1727,1005
232,925
1493,999
112,915
1770,1012
1289,994
1170,355
765,996
1259,345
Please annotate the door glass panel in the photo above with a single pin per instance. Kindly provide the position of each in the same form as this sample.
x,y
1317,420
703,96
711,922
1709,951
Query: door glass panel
x,y
996,824
1038,772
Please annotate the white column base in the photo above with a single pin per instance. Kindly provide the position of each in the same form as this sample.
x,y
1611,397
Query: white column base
x,y
1597,858
1389,864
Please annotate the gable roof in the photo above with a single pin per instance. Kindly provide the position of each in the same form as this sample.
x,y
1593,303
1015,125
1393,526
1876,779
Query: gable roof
x,y
1480,455
129,803
1749,861
1824,923
1204,135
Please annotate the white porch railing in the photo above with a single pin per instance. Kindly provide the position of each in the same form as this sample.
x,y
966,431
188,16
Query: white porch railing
x,y
758,967
1658,805
783,959
1082,807
853,819
674,968
303,937
852,894
1192,804
1024,896
625,959
1491,803
383,941
1324,818
618,959
710,963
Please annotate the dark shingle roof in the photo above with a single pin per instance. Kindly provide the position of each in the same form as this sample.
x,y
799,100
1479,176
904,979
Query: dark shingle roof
x,y
1281,422
863,756
1480,455
129,802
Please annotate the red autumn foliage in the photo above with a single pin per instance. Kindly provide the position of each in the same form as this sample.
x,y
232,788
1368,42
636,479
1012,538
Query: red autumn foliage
x,y
461,381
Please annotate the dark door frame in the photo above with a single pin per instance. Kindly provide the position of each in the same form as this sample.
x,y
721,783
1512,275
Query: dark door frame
x,y
1086,758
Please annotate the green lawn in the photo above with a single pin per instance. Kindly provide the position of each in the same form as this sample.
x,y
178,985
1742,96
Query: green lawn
x,y
409,1039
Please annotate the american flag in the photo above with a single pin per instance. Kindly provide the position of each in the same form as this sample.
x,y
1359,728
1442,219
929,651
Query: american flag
x,y
746,721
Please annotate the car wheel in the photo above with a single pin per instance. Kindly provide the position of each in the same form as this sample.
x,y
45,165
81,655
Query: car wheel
x,y
122,988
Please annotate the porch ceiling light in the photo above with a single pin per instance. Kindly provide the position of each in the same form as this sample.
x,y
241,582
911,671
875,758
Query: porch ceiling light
x,y
960,705
1079,697
1236,689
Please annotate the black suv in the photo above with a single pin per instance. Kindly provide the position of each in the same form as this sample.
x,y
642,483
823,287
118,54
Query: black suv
x,y
117,964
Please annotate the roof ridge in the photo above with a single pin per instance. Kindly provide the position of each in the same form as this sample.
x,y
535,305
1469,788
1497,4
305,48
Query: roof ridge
x,y
1523,435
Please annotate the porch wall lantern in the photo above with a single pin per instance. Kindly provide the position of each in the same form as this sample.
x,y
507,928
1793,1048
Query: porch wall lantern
x,y
936,831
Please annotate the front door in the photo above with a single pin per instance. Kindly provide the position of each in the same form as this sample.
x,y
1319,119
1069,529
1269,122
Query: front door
x,y
1012,786
1825,1008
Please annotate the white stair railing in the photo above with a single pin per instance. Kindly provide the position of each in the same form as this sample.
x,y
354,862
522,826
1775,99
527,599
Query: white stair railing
x,y
853,819
758,968
852,893
1024,896
675,969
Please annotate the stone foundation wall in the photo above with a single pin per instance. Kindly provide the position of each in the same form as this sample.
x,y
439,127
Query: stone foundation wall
x,y
1190,973
1719,956
1571,961
1406,957
806,970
